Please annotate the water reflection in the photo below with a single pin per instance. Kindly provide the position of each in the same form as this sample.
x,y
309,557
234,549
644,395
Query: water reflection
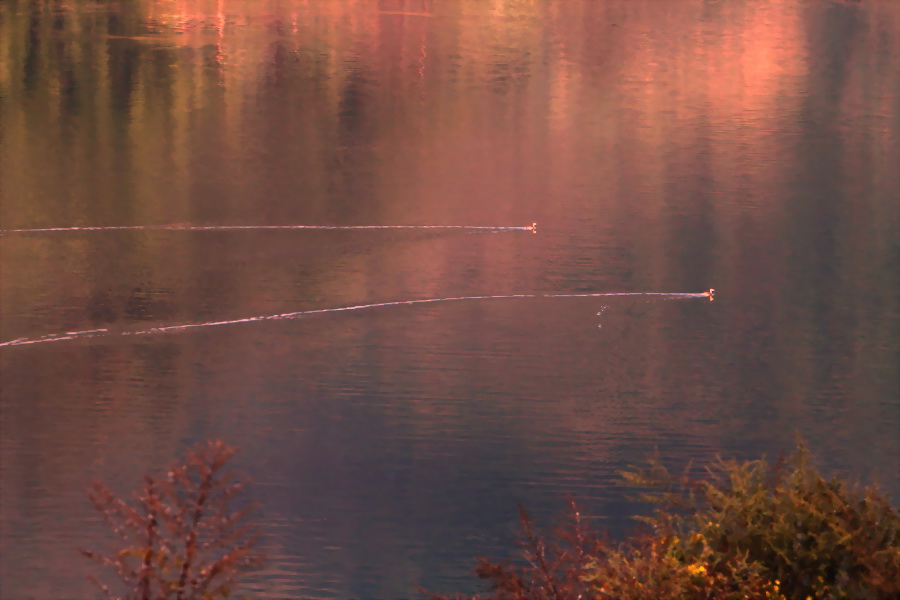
x,y
749,146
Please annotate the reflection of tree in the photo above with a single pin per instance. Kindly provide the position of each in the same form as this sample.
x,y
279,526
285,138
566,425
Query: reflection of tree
x,y
111,114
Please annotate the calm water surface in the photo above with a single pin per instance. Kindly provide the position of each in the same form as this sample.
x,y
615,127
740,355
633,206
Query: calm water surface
x,y
746,145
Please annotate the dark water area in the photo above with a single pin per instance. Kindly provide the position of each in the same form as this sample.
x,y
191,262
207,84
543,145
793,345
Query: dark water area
x,y
751,146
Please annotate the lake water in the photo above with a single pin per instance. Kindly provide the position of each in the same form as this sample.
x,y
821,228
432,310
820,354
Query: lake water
x,y
750,146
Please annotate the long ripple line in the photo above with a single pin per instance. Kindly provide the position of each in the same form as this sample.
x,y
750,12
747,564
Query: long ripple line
x,y
532,228
89,333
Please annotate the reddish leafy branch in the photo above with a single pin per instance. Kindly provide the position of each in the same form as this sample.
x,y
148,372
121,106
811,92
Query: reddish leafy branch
x,y
182,538
555,568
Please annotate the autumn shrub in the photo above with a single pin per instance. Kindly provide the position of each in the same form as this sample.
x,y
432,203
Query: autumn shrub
x,y
747,530
812,536
556,565
181,537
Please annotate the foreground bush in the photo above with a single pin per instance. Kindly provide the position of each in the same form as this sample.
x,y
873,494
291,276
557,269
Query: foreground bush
x,y
747,530
181,539
814,537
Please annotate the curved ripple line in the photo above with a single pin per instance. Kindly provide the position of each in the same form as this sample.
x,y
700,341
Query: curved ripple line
x,y
532,228
591,295
89,333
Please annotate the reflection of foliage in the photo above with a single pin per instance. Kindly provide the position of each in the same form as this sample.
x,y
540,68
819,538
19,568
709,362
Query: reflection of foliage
x,y
749,530
182,539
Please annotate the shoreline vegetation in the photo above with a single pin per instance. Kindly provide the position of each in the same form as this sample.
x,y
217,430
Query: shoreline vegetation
x,y
745,530
181,536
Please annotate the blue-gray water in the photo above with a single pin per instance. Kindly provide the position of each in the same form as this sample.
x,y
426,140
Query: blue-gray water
x,y
750,146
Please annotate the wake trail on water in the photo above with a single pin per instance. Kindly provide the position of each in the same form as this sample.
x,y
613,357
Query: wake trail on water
x,y
90,333
531,228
